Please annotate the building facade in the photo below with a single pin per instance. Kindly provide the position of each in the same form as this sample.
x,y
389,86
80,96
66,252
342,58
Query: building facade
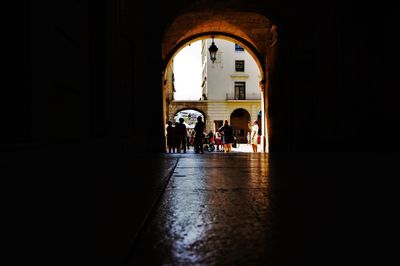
x,y
230,89
230,86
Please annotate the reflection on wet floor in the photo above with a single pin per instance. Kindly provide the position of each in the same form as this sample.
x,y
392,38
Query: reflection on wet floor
x,y
214,211
264,209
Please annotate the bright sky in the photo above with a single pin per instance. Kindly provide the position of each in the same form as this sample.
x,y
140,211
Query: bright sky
x,y
187,71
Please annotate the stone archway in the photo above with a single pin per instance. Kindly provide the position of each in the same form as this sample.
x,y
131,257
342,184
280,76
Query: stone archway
x,y
239,121
251,30
177,106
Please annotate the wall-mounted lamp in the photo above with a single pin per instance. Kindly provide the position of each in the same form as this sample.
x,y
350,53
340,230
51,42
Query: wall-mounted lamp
x,y
213,50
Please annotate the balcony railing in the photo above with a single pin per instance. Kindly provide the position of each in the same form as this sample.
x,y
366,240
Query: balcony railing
x,y
249,96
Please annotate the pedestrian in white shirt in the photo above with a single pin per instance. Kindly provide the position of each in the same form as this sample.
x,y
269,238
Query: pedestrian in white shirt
x,y
254,136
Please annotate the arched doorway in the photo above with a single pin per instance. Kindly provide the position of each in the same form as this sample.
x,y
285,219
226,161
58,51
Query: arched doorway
x,y
189,116
235,26
239,121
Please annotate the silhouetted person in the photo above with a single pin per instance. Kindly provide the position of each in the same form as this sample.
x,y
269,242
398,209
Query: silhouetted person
x,y
227,136
199,137
181,136
170,137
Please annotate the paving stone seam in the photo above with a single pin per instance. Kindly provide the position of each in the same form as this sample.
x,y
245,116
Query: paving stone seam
x,y
150,214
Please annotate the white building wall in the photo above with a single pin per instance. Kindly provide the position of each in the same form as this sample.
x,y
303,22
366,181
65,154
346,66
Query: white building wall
x,y
221,110
218,81
221,75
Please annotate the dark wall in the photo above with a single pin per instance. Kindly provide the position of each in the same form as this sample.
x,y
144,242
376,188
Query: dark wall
x,y
72,78
333,88
94,74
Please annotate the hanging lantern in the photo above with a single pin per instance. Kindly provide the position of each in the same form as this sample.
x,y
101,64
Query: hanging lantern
x,y
213,50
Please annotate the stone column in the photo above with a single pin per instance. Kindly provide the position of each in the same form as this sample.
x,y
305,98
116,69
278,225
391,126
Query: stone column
x,y
264,84
264,126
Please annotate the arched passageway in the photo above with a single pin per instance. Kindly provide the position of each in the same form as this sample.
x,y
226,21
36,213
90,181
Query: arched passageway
x,y
250,30
239,122
189,116
175,107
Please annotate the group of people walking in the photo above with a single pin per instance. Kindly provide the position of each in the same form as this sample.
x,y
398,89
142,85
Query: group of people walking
x,y
178,137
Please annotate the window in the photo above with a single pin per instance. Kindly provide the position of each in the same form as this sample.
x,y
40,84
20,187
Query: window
x,y
240,90
239,65
238,48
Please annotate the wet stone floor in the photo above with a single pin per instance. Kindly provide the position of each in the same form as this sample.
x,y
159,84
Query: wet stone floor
x,y
251,209
240,208
214,211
